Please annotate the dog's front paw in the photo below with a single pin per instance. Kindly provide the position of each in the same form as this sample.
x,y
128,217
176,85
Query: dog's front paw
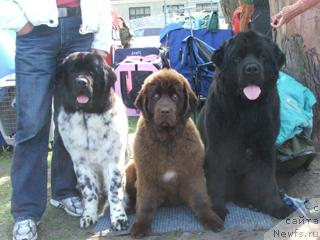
x,y
120,224
221,212
140,230
282,212
213,222
87,220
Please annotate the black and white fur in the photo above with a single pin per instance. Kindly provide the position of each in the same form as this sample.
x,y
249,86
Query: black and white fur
x,y
94,131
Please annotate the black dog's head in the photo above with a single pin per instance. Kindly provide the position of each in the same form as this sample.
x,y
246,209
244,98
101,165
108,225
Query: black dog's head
x,y
166,99
249,65
85,83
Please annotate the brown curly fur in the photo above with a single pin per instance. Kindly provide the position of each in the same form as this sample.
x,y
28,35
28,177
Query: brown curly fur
x,y
168,153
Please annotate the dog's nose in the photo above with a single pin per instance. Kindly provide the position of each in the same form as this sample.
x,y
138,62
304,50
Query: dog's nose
x,y
165,110
252,68
81,82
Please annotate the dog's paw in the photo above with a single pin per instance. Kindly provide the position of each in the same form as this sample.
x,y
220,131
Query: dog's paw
x,y
213,223
221,212
87,220
282,212
140,230
120,224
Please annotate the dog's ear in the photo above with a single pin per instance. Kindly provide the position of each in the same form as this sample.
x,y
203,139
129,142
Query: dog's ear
x,y
217,57
67,63
60,72
279,56
190,103
110,76
62,86
60,75
141,102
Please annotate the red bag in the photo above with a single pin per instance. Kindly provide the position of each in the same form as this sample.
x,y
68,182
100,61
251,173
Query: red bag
x,y
236,20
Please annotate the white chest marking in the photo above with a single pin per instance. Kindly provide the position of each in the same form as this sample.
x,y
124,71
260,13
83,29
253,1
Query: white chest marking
x,y
169,176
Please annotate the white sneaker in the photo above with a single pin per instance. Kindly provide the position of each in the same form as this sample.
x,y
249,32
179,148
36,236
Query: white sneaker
x,y
72,205
25,230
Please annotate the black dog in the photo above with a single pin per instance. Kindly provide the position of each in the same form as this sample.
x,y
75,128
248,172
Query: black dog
x,y
239,124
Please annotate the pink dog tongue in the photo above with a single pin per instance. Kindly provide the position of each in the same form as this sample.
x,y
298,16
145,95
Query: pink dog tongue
x,y
252,92
82,99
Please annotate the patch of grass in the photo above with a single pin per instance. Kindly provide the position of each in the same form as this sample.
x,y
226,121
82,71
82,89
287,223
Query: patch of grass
x,y
5,195
132,123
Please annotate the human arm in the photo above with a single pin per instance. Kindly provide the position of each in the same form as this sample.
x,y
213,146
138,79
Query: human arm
x,y
289,12
102,38
13,17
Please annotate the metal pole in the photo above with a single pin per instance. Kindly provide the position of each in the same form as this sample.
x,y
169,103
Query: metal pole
x,y
165,11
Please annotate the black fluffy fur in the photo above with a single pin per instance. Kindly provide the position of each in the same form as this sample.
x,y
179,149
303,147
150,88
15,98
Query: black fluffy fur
x,y
239,134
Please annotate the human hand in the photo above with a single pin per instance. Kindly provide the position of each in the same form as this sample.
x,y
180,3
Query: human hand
x,y
286,14
26,29
277,20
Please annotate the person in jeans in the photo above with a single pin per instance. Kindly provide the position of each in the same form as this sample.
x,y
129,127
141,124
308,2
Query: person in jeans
x,y
47,31
260,19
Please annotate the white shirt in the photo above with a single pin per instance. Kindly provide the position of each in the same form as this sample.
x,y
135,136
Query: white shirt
x,y
96,17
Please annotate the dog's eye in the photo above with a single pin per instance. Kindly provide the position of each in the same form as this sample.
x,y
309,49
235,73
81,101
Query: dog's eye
x,y
174,97
156,96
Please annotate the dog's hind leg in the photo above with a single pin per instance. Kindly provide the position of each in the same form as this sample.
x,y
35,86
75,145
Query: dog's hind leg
x,y
115,188
194,193
89,187
261,190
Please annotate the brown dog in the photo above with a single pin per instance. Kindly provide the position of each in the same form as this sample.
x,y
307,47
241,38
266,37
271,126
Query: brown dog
x,y
168,153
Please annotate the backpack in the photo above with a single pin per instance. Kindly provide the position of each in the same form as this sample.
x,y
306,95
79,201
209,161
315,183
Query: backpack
x,y
297,152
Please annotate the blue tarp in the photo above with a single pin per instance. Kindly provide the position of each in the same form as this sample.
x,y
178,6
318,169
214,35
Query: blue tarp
x,y
7,52
296,103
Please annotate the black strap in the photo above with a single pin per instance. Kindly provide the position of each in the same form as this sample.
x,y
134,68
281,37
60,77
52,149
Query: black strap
x,y
274,34
69,12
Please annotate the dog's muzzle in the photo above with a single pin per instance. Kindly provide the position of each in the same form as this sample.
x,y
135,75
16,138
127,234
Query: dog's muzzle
x,y
83,89
251,77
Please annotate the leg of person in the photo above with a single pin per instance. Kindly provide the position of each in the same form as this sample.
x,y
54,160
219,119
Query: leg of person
x,y
63,179
261,19
35,64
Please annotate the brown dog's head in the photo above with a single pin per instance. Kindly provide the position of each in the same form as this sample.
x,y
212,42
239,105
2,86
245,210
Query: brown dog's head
x,y
166,99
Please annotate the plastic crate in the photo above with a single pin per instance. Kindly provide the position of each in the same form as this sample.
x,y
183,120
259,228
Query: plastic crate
x,y
8,125
7,108
131,73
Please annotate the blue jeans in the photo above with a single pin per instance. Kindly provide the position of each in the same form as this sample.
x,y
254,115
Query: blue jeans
x,y
38,54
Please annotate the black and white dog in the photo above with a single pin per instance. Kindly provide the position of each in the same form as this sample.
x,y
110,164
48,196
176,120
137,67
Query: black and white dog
x,y
93,125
